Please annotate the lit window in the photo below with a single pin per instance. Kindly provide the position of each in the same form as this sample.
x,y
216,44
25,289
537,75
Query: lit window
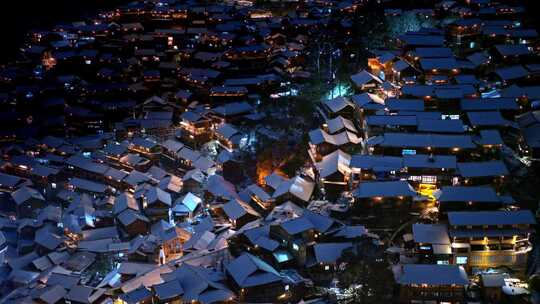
x,y
408,152
461,260
429,179
415,178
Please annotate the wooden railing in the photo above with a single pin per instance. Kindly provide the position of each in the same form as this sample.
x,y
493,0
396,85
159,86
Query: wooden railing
x,y
496,258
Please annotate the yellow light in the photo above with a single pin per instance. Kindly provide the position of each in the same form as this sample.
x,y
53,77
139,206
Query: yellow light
x,y
427,190
282,296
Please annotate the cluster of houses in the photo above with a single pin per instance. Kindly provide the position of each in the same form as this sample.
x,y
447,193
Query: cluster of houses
x,y
120,177
168,68
429,130
121,181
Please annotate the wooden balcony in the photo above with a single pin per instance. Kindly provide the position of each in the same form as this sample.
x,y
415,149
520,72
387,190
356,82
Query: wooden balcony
x,y
496,258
